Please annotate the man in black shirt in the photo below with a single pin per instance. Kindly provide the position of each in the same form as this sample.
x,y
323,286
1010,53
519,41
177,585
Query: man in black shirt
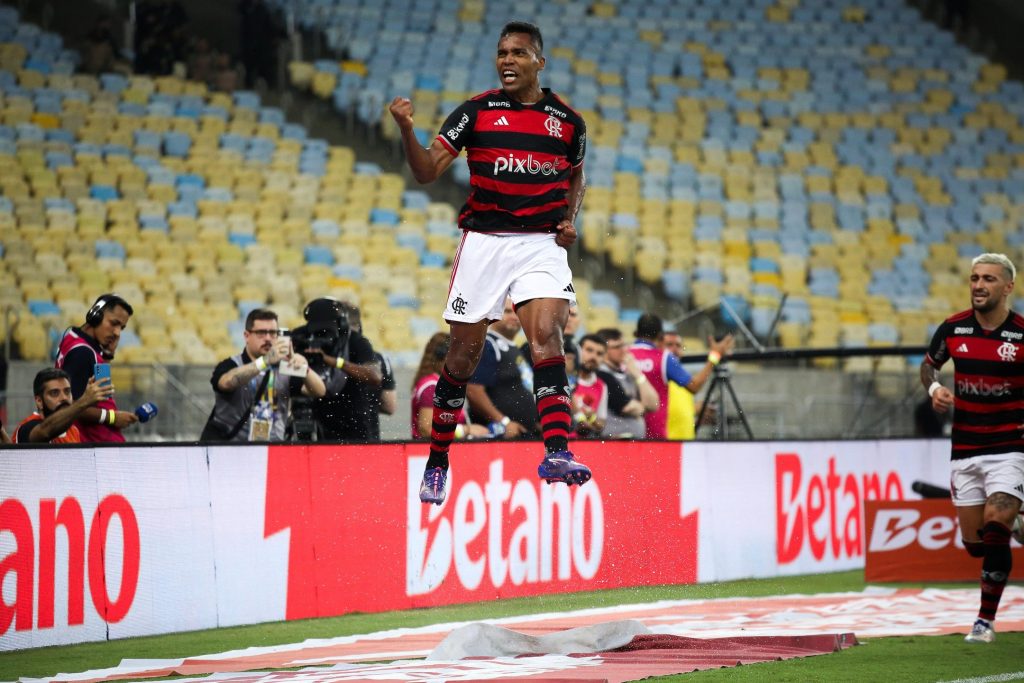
x,y
496,392
348,414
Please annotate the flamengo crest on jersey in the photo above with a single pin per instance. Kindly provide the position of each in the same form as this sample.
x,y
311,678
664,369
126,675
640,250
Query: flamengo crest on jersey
x,y
988,382
520,159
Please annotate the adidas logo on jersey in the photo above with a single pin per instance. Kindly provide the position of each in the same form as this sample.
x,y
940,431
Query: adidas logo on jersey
x,y
962,348
501,121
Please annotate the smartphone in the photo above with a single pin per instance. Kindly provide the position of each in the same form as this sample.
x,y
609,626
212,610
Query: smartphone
x,y
101,370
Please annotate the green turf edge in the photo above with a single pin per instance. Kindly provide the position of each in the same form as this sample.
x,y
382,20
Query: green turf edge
x,y
47,661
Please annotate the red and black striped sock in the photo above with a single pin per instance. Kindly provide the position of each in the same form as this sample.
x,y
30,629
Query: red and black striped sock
x,y
449,399
995,568
551,389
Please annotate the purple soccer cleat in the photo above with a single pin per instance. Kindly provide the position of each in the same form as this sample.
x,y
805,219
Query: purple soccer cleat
x,y
434,486
560,466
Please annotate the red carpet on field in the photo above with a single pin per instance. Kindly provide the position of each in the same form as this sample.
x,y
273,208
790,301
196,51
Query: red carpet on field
x,y
644,656
732,631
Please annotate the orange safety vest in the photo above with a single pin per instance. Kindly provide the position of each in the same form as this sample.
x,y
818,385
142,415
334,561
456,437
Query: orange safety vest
x,y
72,435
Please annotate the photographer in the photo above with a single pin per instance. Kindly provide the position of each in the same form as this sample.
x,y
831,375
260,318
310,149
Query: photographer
x,y
252,389
345,362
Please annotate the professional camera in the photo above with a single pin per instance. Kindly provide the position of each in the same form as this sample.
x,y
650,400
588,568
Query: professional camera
x,y
326,330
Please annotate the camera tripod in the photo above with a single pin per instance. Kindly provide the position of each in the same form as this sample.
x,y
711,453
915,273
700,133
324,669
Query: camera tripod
x,y
720,381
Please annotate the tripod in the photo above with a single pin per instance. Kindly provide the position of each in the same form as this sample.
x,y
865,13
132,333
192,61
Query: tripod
x,y
721,382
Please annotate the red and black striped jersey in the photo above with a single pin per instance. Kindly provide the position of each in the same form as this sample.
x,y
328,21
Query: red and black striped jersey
x,y
988,373
520,160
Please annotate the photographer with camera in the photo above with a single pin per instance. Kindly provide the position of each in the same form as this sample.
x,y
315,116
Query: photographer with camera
x,y
253,391
344,360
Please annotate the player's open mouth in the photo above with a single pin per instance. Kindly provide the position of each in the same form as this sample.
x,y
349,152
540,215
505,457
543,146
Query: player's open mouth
x,y
508,76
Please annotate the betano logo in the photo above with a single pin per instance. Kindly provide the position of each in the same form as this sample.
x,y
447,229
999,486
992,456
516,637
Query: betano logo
x,y
560,533
529,165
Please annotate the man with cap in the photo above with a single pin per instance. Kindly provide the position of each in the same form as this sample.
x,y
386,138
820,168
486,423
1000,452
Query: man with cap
x,y
344,413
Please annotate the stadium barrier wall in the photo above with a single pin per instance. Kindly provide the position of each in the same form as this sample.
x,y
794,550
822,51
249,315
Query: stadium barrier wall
x,y
919,540
106,543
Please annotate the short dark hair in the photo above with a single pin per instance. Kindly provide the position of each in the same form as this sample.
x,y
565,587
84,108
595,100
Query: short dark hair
x,y
648,326
527,28
258,314
609,334
113,300
596,338
47,375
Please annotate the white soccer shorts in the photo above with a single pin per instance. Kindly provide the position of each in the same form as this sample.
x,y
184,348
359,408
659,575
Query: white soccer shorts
x,y
973,480
489,267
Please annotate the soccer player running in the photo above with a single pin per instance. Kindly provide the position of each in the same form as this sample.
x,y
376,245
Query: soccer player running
x,y
525,149
986,344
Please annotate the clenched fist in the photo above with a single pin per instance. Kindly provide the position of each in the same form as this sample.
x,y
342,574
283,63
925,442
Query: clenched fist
x,y
401,109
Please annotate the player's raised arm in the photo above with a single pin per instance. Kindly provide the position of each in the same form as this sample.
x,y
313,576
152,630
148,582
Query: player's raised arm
x,y
426,163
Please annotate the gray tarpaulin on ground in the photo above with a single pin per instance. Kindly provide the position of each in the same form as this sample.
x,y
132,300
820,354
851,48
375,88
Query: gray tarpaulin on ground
x,y
488,640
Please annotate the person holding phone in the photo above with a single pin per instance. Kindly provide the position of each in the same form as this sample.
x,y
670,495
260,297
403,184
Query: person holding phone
x,y
252,389
54,418
85,352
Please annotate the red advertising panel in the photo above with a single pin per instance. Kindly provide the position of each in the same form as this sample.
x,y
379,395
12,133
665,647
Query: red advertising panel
x,y
919,540
361,540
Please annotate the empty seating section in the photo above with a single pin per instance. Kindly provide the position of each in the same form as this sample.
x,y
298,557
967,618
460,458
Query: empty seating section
x,y
195,207
845,153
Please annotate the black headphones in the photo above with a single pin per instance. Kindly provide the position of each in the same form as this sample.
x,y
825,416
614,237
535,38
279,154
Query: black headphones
x,y
94,316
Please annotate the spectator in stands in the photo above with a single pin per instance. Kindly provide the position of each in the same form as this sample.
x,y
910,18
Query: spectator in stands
x,y
259,35
518,222
683,409
81,350
101,50
957,15
351,414
590,398
630,395
54,418
251,397
661,367
986,344
497,394
423,384
4,437
160,38
201,62
225,78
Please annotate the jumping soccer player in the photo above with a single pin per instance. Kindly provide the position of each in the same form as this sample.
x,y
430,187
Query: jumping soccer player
x,y
525,149
986,343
